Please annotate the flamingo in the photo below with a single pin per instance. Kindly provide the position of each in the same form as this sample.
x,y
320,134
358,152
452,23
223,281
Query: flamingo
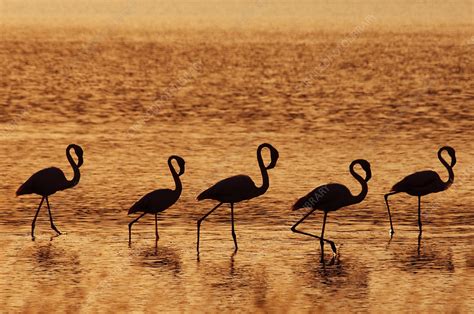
x,y
48,181
159,200
238,188
331,197
423,183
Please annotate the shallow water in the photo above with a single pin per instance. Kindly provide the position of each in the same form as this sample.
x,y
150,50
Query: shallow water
x,y
392,98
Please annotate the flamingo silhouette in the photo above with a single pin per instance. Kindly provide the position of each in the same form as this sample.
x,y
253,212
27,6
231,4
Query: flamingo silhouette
x,y
238,188
331,197
48,181
423,183
159,200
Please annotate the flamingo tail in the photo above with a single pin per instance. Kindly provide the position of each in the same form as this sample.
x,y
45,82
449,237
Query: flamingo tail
x,y
207,194
25,188
137,207
300,203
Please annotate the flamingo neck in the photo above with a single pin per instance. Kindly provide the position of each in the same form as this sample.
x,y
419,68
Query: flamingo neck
x,y
177,180
365,189
77,174
265,180
450,181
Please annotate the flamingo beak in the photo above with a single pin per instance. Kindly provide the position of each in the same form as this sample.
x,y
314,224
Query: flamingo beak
x,y
369,175
368,171
80,155
453,162
453,157
274,158
182,165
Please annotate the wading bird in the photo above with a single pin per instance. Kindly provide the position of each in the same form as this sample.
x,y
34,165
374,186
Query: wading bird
x,y
159,200
48,181
331,197
238,188
423,183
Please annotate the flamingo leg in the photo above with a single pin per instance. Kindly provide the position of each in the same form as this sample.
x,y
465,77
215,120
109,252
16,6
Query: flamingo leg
x,y
333,246
392,231
130,227
157,237
51,218
419,214
322,237
419,244
233,228
34,220
201,220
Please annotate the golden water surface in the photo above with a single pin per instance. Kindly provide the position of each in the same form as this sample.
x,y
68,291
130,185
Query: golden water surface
x,y
131,99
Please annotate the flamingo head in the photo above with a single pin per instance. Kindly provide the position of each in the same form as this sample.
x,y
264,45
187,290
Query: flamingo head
x,y
366,166
451,152
274,155
180,162
79,153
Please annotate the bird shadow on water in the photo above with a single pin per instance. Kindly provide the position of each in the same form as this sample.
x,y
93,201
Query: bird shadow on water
x,y
339,273
340,278
158,257
235,279
53,259
421,255
56,271
226,267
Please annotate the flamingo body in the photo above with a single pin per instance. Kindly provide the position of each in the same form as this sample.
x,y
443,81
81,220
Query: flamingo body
x,y
48,181
238,188
44,182
159,200
423,183
231,190
337,196
155,202
331,197
420,184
